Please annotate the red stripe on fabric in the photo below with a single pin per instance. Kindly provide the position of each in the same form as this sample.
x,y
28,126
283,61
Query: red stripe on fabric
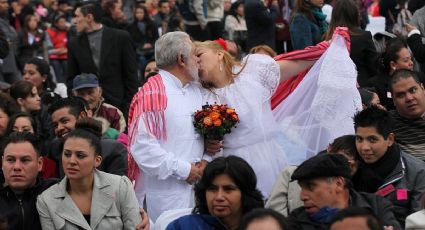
x,y
288,86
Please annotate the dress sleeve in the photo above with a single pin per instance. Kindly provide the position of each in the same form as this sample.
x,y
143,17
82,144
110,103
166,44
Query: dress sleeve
x,y
265,70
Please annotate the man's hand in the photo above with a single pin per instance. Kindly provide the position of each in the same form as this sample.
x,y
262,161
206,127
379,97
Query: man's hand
x,y
388,228
409,27
194,175
212,147
202,166
144,225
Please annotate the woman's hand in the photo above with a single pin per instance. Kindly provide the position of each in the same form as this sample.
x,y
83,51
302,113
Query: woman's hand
x,y
212,147
144,225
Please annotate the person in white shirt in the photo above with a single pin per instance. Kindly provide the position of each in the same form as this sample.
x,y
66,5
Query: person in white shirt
x,y
163,141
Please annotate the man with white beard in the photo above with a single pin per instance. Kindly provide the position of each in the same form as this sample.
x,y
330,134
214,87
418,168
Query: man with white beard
x,y
163,141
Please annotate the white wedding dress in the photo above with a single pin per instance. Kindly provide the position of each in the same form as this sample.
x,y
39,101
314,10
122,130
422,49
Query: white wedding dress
x,y
319,110
255,137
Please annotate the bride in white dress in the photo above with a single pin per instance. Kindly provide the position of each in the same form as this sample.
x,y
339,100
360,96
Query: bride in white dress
x,y
247,88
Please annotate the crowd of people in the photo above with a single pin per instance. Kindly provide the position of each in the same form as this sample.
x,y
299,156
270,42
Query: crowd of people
x,y
97,103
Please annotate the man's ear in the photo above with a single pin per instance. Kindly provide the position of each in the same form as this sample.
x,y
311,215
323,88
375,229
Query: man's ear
x,y
90,17
391,139
340,183
40,163
180,60
20,101
393,65
83,114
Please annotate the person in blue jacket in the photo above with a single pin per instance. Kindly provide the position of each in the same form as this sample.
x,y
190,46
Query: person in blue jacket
x,y
308,23
226,191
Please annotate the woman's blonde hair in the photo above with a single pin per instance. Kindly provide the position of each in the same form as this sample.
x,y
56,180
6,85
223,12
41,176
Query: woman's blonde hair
x,y
228,60
263,48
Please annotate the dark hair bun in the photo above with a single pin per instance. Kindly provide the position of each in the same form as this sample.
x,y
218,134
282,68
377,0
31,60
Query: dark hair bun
x,y
91,125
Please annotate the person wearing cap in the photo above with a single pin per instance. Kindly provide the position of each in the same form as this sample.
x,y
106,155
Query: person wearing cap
x,y
385,169
86,86
326,189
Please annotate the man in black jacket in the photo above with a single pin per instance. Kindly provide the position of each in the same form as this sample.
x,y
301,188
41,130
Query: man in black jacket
x,y
260,19
21,163
106,52
326,189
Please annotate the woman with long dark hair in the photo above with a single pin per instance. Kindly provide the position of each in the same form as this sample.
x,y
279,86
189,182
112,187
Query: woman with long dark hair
x,y
37,71
114,14
235,24
32,40
307,24
144,33
27,98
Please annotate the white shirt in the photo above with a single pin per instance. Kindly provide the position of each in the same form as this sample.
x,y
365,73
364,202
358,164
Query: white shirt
x,y
166,164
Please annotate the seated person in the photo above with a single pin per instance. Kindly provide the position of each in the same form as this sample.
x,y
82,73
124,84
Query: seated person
x,y
384,168
326,189
369,98
227,190
285,195
65,114
24,122
87,198
21,164
408,95
355,218
87,86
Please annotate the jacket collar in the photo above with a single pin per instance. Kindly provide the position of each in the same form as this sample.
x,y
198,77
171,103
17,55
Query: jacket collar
x,y
39,187
102,199
397,174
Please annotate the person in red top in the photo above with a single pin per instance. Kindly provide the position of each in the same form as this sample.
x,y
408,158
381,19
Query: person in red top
x,y
59,54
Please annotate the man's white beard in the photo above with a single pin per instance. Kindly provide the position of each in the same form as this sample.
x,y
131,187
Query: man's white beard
x,y
193,71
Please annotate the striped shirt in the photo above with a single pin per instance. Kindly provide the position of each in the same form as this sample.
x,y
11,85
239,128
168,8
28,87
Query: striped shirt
x,y
410,134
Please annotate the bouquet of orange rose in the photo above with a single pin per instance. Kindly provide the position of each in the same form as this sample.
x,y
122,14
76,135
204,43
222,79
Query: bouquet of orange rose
x,y
214,121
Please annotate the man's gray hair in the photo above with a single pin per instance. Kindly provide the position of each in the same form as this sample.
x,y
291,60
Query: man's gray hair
x,y
169,46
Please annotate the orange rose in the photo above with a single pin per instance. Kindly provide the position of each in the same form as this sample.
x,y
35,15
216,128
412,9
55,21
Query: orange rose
x,y
217,122
235,117
214,116
207,121
229,111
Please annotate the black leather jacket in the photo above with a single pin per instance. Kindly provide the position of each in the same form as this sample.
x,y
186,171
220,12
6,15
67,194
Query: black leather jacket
x,y
20,210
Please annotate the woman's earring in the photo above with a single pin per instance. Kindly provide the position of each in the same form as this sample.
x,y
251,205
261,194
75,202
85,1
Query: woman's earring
x,y
221,66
